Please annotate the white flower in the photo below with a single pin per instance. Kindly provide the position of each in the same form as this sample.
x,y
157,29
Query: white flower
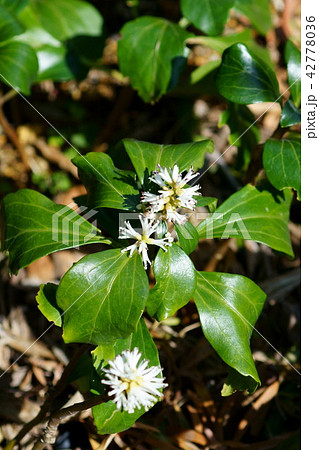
x,y
149,226
133,383
173,193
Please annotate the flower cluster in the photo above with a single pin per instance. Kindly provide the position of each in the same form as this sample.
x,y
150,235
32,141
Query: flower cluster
x,y
166,203
133,383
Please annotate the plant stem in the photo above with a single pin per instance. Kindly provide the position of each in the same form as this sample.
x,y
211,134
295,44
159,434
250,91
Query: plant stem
x,y
10,94
51,430
56,391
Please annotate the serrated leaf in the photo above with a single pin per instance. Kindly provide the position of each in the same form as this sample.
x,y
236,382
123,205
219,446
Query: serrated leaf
x,y
106,185
106,418
229,306
290,115
259,213
9,26
258,12
35,226
64,20
103,297
46,299
187,237
293,59
282,163
209,16
152,45
175,283
18,65
244,78
145,156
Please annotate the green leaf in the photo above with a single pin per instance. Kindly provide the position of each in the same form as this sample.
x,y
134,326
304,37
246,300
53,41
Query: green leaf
x,y
145,156
64,20
107,419
14,6
151,45
175,283
106,185
9,26
209,16
229,306
282,163
187,237
259,213
290,115
243,134
46,299
293,59
209,202
237,382
103,297
52,63
258,12
35,226
244,78
18,65
35,35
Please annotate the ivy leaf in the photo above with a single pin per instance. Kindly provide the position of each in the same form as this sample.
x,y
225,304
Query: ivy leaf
x,y
46,299
187,237
64,20
14,6
35,226
52,63
290,115
258,213
106,185
209,16
9,26
258,12
229,306
293,59
244,78
175,283
106,417
282,163
103,297
151,45
243,134
145,156
18,65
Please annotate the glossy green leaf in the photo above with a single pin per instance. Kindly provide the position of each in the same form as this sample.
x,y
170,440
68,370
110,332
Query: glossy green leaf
x,y
14,6
243,134
209,16
35,226
175,283
63,20
229,306
106,185
35,35
107,419
290,115
187,237
244,78
52,64
9,26
259,213
209,202
146,156
46,299
258,12
18,65
282,163
151,45
103,297
235,381
293,59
